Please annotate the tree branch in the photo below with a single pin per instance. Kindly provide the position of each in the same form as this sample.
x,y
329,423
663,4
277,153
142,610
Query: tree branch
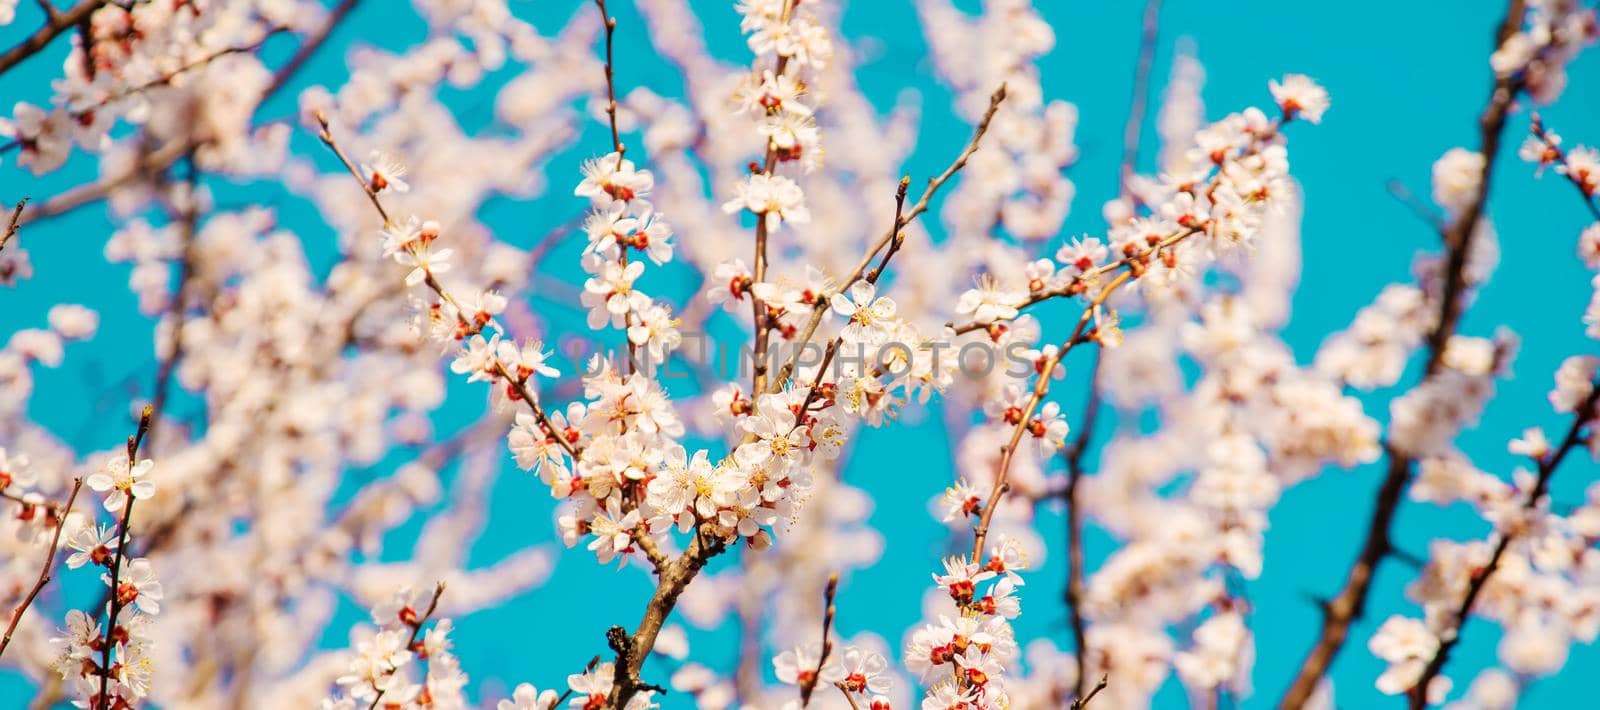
x,y
1350,603
44,571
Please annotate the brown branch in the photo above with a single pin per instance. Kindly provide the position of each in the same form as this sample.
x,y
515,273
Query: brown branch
x,y
1458,238
820,309
1075,560
758,308
611,80
54,25
1080,704
11,229
153,162
519,385
44,571
186,269
1350,603
809,683
1584,416
115,606
416,630
632,649
325,134
1141,94
1040,388
897,239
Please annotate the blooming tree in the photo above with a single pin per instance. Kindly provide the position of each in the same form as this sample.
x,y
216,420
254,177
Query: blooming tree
x,y
288,429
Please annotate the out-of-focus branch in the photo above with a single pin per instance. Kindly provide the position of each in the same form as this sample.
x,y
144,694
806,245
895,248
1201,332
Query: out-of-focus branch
x,y
1131,131
1081,704
176,310
1075,560
1584,416
55,24
1350,603
44,570
1422,210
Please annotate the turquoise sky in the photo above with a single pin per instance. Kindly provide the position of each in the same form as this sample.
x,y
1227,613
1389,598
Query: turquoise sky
x,y
1407,81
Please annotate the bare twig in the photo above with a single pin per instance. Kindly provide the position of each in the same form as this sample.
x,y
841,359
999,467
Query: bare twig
x,y
44,571
1350,603
809,683
11,229
1080,704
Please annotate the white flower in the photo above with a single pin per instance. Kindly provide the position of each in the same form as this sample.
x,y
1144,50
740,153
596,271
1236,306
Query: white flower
x,y
92,544
775,198
988,302
137,585
1407,645
118,481
1298,96
864,672
14,471
868,316
1456,177
527,697
608,179
385,172
798,666
1582,168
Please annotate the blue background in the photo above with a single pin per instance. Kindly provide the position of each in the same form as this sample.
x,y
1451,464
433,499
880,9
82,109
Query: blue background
x,y
1407,81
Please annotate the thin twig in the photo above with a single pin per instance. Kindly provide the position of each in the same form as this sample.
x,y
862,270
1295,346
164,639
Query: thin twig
x,y
809,683
1040,389
11,229
44,571
115,606
1081,704
1131,131
1421,209
820,309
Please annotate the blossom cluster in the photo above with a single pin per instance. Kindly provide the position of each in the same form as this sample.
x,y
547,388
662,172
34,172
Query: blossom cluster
x,y
302,405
